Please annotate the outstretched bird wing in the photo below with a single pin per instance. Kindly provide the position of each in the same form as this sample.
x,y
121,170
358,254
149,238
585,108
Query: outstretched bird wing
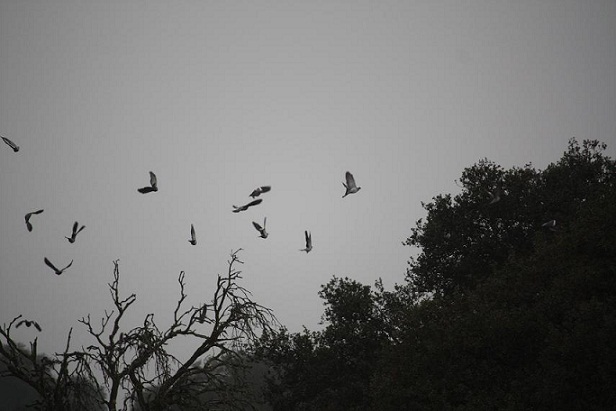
x,y
30,214
193,235
257,226
153,180
260,190
49,264
145,190
75,228
237,209
350,181
11,144
308,238
551,223
69,264
254,203
27,218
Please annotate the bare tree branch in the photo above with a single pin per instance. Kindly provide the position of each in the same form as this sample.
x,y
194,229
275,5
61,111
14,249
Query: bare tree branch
x,y
127,368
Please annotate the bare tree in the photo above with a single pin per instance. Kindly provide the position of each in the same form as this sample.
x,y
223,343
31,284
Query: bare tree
x,y
133,369
58,381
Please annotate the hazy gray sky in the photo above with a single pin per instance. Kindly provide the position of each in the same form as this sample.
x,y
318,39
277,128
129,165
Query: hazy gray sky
x,y
220,97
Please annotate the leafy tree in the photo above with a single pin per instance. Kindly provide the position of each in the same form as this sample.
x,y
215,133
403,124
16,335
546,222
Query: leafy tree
x,y
329,369
522,320
499,311
295,380
136,369
464,237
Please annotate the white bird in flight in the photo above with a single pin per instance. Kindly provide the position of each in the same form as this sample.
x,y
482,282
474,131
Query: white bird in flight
x,y
495,196
550,225
260,190
193,235
55,269
153,185
76,230
9,143
308,242
260,229
27,218
351,187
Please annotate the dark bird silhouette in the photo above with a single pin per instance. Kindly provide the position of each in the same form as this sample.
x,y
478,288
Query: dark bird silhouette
x,y
27,218
495,196
76,230
193,235
9,143
28,323
260,190
245,207
55,269
153,185
351,187
202,316
308,242
260,229
550,225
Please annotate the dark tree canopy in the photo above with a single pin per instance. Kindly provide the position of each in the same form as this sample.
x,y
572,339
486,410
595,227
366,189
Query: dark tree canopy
x,y
498,311
464,237
537,333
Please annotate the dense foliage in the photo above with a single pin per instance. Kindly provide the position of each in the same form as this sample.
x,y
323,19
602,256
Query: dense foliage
x,y
498,311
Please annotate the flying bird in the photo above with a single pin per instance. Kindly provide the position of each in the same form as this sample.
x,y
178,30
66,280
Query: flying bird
x,y
261,229
245,207
153,185
193,235
550,225
76,230
28,324
308,242
27,218
9,143
350,186
495,196
55,269
260,190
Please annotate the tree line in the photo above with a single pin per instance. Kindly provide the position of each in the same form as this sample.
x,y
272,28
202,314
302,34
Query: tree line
x,y
510,304
499,310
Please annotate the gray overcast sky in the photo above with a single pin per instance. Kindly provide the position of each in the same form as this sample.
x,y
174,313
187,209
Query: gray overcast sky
x,y
220,97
